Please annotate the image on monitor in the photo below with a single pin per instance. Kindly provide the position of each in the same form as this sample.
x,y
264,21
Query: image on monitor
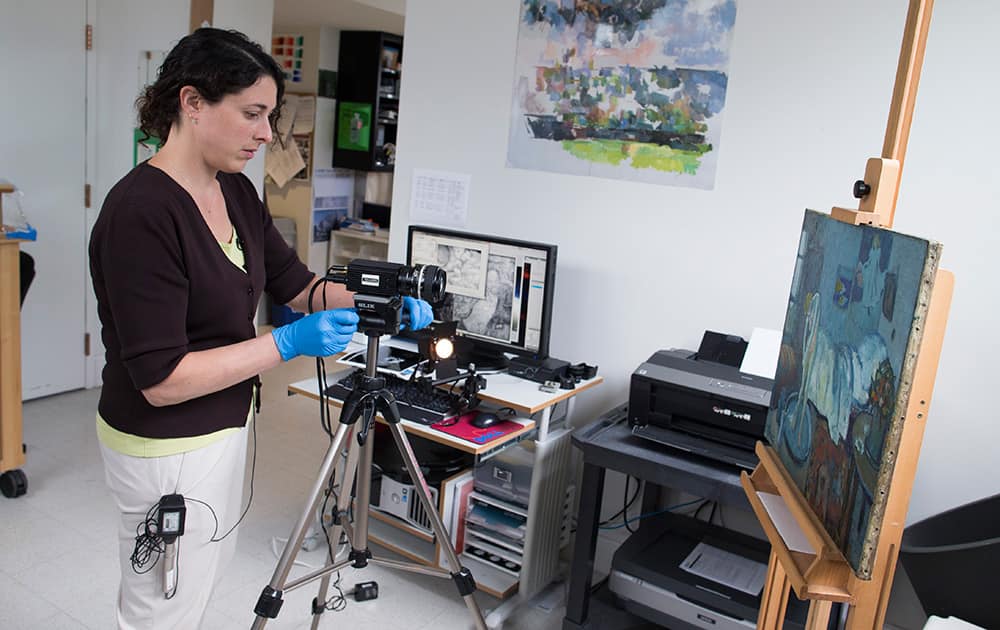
x,y
499,290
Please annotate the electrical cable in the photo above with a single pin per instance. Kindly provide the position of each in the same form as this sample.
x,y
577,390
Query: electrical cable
x,y
253,470
148,543
337,601
626,504
657,513
325,419
697,513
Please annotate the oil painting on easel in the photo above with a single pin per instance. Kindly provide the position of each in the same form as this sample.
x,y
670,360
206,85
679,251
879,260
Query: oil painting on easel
x,y
852,330
633,89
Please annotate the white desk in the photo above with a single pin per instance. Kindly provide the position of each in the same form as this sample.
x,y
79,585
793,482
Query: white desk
x,y
549,484
502,390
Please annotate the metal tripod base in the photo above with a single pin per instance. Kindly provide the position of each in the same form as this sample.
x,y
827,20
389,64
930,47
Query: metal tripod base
x,y
364,405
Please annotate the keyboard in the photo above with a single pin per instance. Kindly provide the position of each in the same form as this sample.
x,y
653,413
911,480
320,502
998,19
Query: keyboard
x,y
417,403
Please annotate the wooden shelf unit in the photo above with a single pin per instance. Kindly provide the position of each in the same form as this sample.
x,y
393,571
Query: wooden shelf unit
x,y
347,244
11,421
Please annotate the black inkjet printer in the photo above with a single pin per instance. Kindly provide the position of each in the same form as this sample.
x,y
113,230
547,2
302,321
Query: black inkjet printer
x,y
700,402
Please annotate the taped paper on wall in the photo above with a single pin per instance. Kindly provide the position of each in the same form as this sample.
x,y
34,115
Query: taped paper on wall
x,y
439,198
282,163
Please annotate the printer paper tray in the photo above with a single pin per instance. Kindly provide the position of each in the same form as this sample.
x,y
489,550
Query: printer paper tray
x,y
697,445
663,606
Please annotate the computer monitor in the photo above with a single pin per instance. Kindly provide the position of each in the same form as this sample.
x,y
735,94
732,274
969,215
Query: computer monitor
x,y
499,291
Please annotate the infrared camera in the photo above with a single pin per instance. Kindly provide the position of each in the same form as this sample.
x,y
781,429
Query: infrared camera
x,y
379,288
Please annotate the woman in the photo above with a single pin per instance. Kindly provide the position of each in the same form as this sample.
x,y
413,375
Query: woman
x,y
180,254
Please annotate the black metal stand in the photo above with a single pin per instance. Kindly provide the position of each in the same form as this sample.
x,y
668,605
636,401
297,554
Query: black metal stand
x,y
363,403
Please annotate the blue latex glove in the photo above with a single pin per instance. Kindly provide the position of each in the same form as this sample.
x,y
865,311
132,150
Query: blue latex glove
x,y
318,335
420,312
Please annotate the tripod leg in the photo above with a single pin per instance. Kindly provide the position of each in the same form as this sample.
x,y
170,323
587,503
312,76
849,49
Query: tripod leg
x,y
343,501
462,576
270,600
360,553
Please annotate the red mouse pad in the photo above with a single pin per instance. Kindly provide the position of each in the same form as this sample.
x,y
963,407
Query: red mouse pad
x,y
463,429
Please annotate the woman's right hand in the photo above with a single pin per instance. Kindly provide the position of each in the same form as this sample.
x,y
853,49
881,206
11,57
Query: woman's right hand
x,y
318,335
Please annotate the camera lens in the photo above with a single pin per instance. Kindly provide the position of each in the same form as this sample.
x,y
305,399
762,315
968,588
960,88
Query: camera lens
x,y
426,282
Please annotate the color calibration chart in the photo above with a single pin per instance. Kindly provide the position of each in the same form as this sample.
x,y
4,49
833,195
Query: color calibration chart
x,y
287,51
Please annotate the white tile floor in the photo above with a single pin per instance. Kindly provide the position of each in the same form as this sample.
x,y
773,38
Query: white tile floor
x,y
58,566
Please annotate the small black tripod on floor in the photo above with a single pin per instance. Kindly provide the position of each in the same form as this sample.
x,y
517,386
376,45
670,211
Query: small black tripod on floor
x,y
366,399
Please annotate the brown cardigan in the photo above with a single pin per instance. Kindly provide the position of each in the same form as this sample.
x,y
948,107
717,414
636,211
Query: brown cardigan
x,y
165,288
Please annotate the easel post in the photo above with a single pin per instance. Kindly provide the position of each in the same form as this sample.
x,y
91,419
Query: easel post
x,y
873,598
879,190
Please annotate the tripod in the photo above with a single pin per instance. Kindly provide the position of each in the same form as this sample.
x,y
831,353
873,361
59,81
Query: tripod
x,y
362,404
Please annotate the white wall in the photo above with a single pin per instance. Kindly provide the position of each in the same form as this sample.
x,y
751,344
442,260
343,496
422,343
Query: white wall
x,y
121,33
253,18
643,267
329,48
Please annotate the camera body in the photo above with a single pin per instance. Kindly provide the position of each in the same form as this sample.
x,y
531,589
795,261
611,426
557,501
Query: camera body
x,y
379,288
377,277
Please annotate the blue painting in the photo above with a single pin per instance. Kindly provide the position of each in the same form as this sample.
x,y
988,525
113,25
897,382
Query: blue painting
x,y
628,89
858,299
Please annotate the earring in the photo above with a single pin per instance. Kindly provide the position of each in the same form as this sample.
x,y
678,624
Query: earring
x,y
193,119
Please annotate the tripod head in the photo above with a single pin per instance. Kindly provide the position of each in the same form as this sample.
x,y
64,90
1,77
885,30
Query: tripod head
x,y
379,288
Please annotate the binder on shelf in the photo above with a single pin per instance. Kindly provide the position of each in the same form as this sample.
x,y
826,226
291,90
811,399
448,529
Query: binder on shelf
x,y
454,505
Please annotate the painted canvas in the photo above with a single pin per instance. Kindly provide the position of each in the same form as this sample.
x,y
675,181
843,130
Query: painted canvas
x,y
626,89
852,330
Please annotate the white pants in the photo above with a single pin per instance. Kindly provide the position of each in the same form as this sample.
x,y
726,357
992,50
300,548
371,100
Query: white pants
x,y
214,475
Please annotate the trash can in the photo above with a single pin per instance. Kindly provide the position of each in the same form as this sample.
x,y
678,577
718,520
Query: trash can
x,y
951,560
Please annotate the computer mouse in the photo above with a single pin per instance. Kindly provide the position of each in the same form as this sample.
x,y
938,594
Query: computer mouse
x,y
484,420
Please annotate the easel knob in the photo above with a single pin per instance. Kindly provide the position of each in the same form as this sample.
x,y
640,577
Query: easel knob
x,y
877,192
861,189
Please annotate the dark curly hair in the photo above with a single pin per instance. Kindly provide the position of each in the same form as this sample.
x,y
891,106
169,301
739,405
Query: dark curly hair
x,y
213,61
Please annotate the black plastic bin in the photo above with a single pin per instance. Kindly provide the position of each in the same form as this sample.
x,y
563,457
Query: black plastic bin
x,y
952,560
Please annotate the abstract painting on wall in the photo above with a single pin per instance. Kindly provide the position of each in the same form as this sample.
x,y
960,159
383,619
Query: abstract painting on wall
x,y
852,331
626,89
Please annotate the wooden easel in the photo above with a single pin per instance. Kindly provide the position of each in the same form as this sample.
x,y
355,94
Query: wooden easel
x,y
824,576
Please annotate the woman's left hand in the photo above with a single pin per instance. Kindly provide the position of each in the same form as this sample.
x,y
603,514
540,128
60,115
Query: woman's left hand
x,y
419,312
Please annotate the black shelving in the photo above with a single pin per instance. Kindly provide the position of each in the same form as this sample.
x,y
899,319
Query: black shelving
x,y
369,73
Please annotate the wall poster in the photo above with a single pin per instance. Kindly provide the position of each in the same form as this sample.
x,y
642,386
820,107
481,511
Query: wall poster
x,y
633,89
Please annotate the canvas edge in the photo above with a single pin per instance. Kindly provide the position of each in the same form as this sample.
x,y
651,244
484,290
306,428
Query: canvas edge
x,y
870,545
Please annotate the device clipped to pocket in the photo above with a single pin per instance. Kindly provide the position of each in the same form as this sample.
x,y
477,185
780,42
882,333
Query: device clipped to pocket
x,y
170,517
169,526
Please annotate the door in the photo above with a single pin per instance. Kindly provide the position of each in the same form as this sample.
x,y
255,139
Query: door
x,y
43,79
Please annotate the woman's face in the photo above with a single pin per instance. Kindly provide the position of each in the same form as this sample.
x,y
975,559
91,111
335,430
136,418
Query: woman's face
x,y
230,132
